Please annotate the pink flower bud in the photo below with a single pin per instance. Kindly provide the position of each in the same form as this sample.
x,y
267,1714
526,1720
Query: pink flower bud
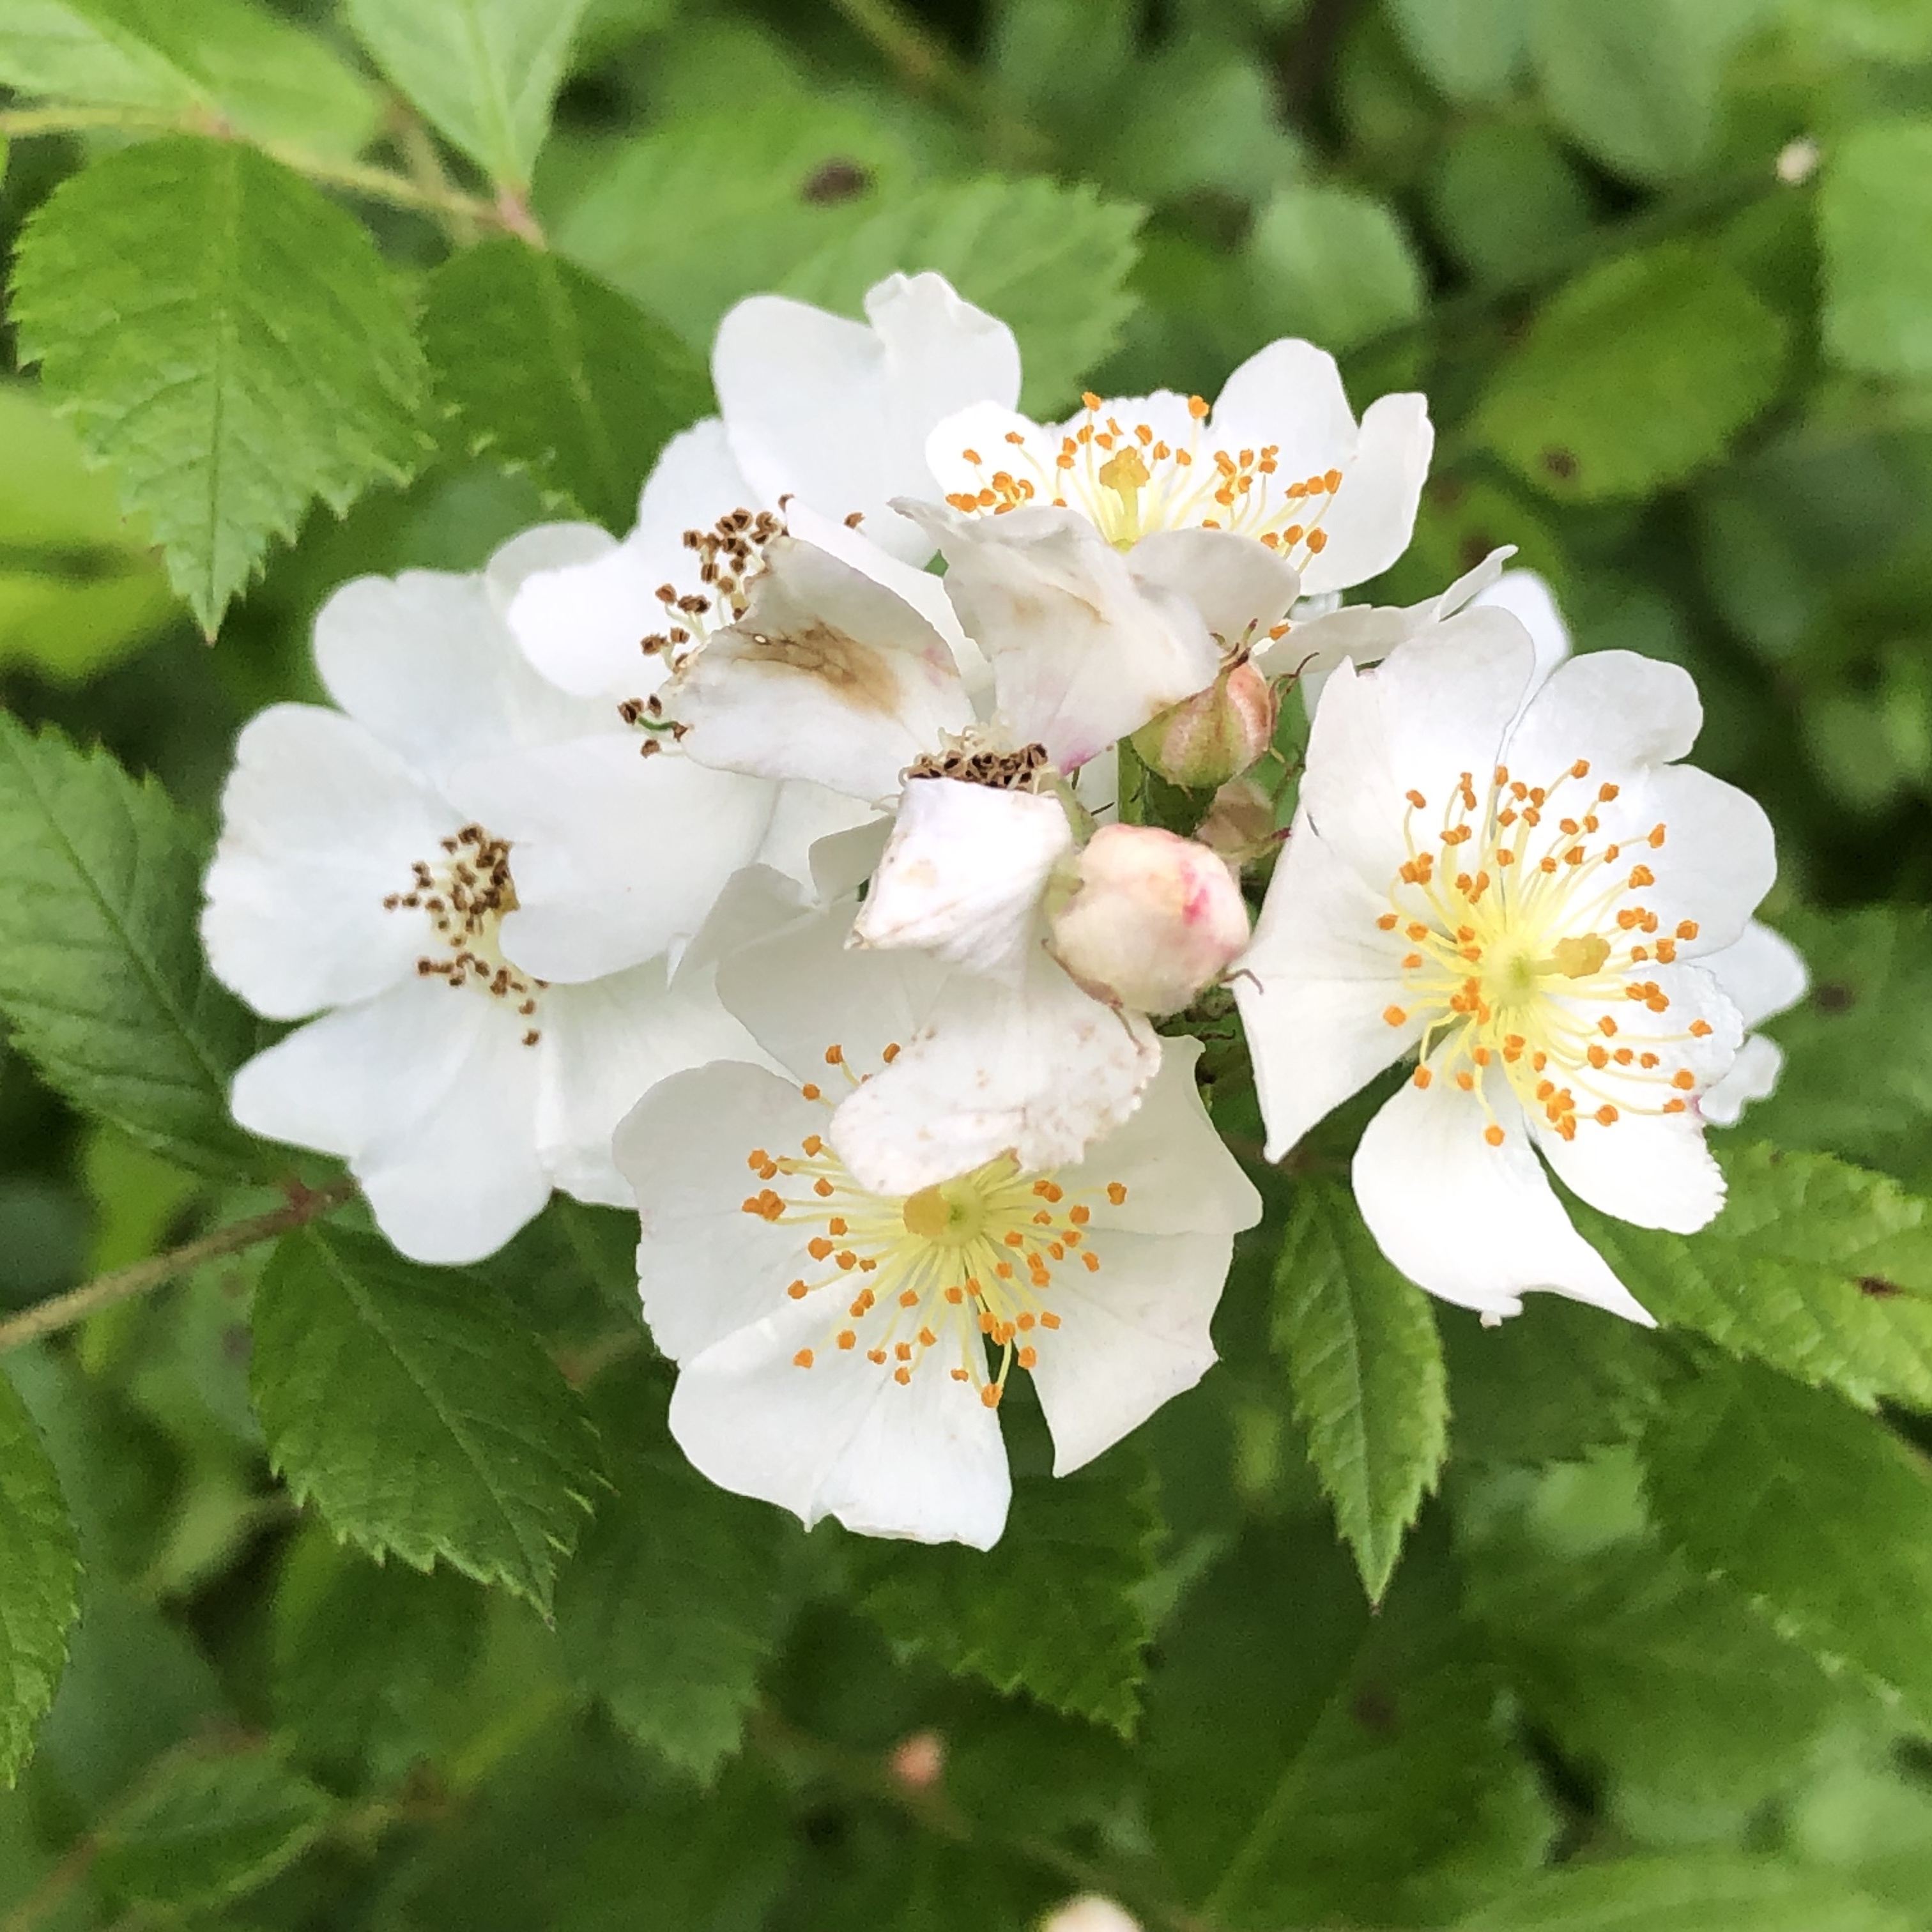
x,y
1216,735
1154,918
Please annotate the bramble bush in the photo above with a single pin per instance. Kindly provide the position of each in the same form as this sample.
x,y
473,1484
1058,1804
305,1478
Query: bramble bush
x,y
341,1589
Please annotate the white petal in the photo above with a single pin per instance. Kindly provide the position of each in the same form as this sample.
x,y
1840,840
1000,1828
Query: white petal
x,y
1290,394
964,874
1372,517
320,824
1082,652
431,1095
603,1045
841,1438
425,661
1476,1224
1761,972
804,989
1618,710
1036,1069
1433,708
810,826
1179,1176
1653,1171
706,1268
839,412
1313,987
1753,1075
1241,589
827,676
1528,599
615,856
986,431
1131,1336
581,625
542,547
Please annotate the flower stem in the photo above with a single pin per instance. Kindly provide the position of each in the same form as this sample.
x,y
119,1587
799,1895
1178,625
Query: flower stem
x,y
304,1205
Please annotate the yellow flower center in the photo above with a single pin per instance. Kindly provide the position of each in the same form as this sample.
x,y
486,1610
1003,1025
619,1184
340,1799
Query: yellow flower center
x,y
1527,935
1128,482
941,1273
464,893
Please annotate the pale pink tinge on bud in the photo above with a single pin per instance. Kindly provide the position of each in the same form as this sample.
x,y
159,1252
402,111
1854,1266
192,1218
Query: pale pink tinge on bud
x,y
1216,735
918,1761
1154,918
1240,824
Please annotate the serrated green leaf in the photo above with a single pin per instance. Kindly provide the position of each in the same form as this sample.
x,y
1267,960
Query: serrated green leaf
x,y
1504,197
1051,1609
1821,1270
1333,266
1817,1511
40,1581
273,361
1880,30
1309,1763
1549,1388
1634,376
1471,49
1700,1891
1635,85
690,216
484,72
1051,262
101,974
670,1609
1365,1362
549,371
1875,225
215,62
201,1830
1670,1684
411,1406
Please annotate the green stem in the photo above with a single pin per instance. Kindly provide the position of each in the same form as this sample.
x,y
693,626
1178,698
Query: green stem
x,y
47,1317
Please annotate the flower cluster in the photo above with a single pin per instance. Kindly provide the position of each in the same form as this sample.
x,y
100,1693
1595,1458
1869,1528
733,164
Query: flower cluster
x,y
754,874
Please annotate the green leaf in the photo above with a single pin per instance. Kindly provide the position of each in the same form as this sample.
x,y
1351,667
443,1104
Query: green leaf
x,y
1333,266
1504,198
1635,84
1817,1511
1821,1270
1857,1079
484,72
710,208
1875,225
1634,376
1699,1891
101,973
200,1830
421,1417
1051,1609
1309,1763
273,361
1669,1683
208,62
40,1581
1880,30
1051,262
1365,1361
552,373
1471,49
671,1608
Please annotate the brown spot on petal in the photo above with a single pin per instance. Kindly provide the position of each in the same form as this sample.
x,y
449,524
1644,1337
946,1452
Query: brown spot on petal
x,y
859,675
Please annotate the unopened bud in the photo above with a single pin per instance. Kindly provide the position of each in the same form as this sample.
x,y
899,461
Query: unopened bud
x,y
1154,918
1239,825
1216,735
1090,1913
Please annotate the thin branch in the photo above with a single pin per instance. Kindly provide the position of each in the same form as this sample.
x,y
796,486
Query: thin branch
x,y
304,1205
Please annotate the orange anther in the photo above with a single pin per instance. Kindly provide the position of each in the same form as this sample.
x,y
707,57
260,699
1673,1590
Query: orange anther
x,y
1581,768
1607,1116
1687,928
1423,1076
809,1092
846,1339
1466,1081
990,1395
1673,1106
1048,1319
802,1360
1026,1358
1493,1134
1394,1015
1388,922
1416,798
1116,1193
818,1247
797,1291
1683,1079
1641,875
1090,1261
1606,1025
1700,1029
1079,1217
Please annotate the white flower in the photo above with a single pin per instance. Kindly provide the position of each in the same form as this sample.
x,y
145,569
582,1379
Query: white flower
x,y
842,1350
354,879
1763,974
824,417
1280,461
1090,1912
1523,893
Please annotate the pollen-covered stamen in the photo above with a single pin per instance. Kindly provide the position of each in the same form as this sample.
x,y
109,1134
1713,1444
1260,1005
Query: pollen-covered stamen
x,y
950,1272
464,894
1525,934
1129,481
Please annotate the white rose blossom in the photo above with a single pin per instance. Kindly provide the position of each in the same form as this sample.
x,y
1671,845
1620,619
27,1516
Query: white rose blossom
x,y
1520,883
363,874
842,1350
